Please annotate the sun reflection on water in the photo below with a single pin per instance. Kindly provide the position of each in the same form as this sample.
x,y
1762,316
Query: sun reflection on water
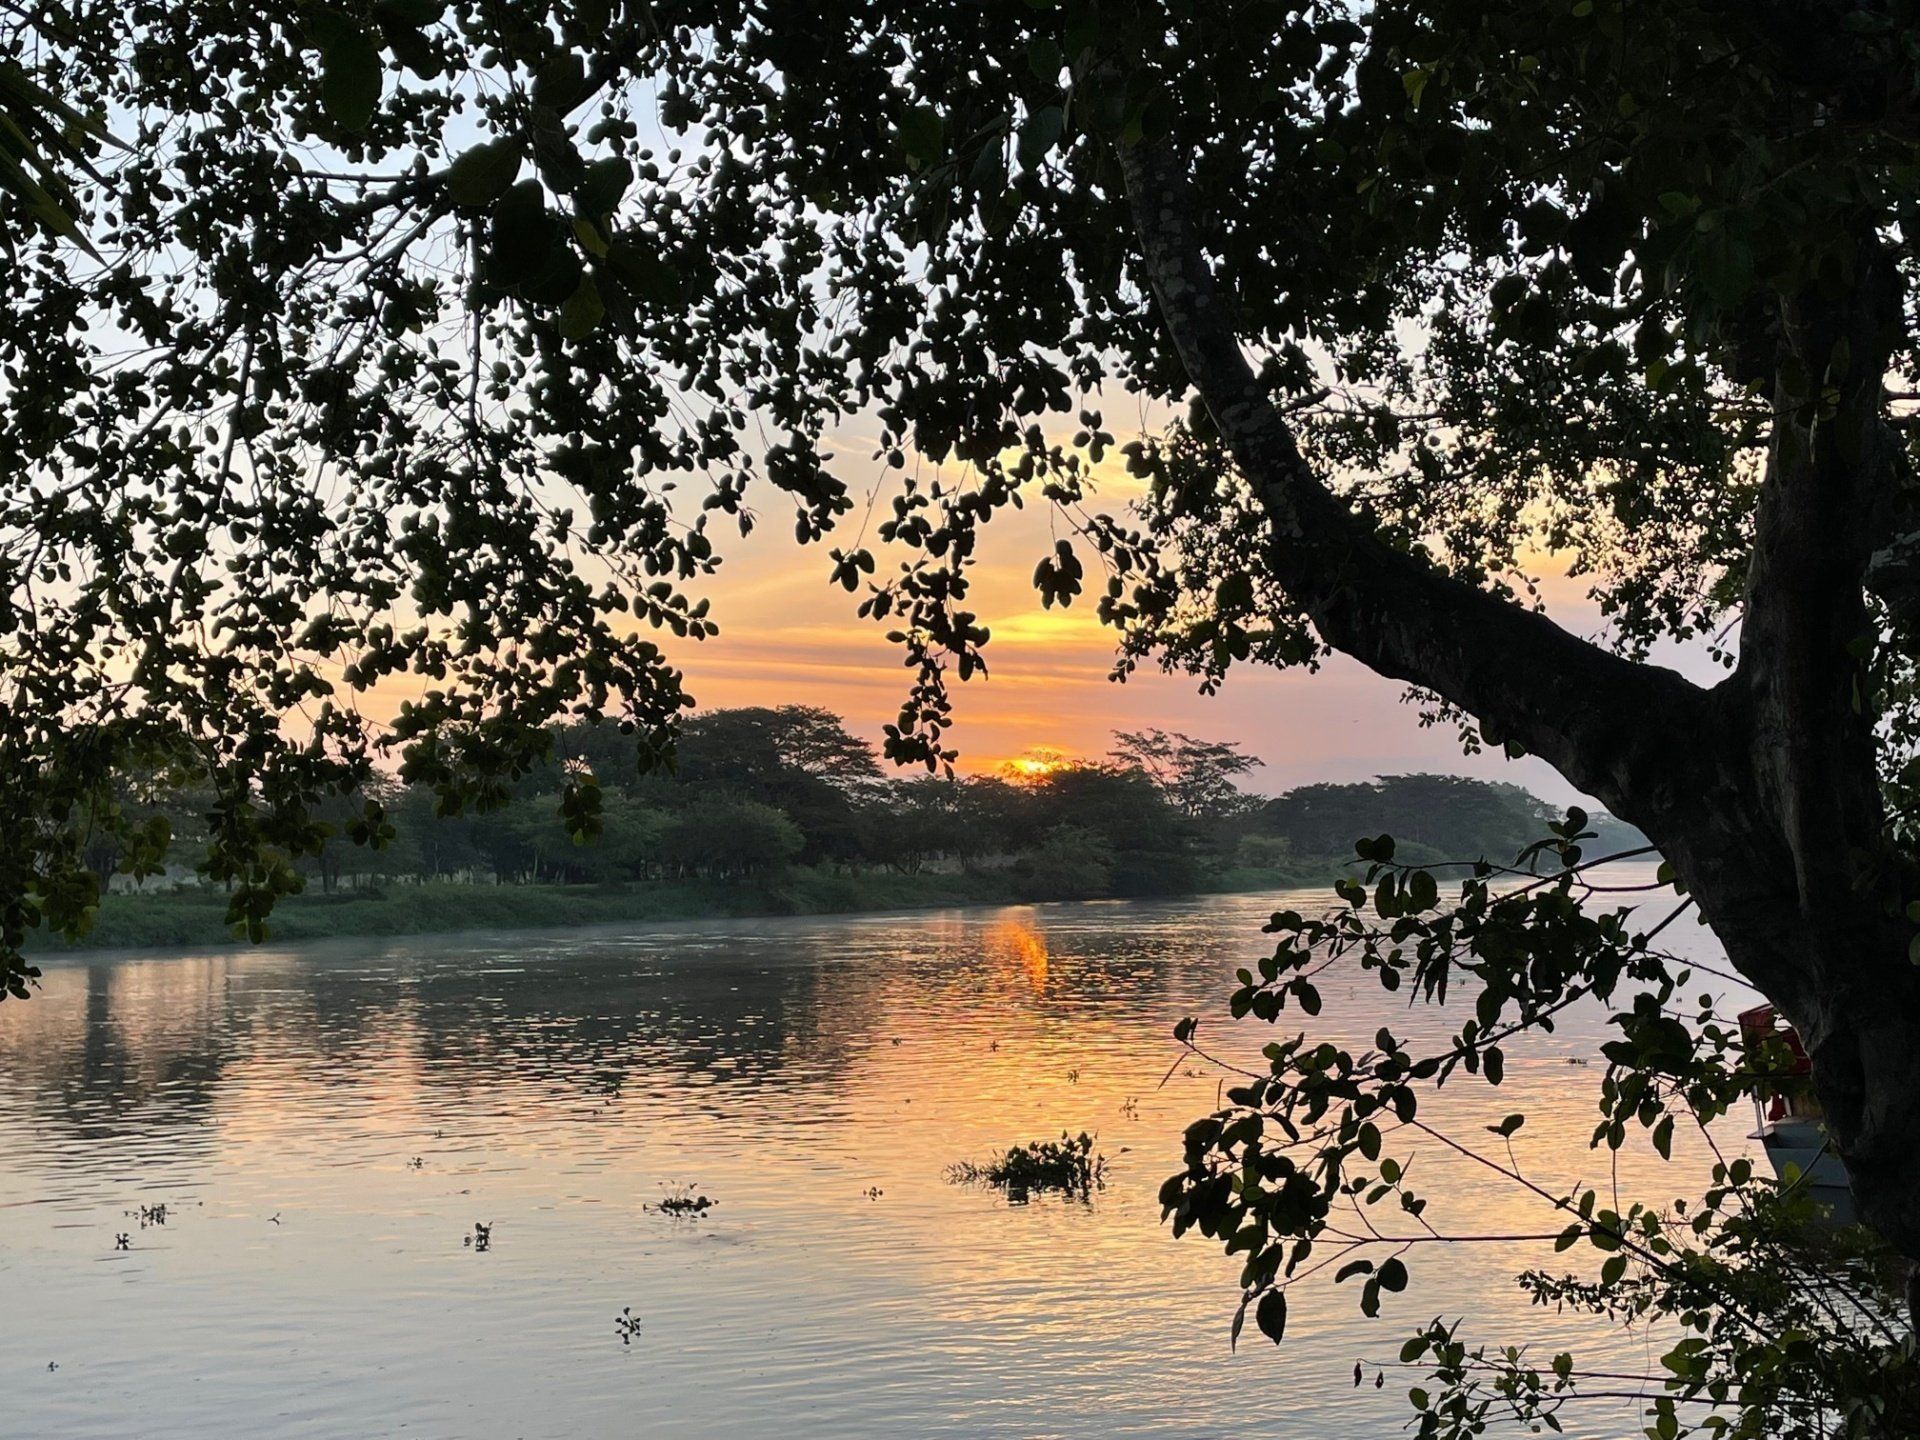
x,y
1020,943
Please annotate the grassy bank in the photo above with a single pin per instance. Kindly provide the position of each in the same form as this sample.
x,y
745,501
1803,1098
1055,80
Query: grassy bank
x,y
198,918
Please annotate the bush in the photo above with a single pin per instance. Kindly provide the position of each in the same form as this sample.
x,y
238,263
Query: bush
x,y
1067,1166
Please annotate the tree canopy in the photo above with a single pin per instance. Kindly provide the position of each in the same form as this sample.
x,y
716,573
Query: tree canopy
x,y
444,341
430,350
1432,817
1199,776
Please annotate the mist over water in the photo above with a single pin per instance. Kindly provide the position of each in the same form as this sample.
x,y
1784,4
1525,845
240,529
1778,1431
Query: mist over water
x,y
326,1126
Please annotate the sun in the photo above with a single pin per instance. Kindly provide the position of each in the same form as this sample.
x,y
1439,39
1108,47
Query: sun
x,y
1035,764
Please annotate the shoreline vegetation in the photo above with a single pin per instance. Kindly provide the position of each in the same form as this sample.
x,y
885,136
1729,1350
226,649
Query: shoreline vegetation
x,y
196,919
772,811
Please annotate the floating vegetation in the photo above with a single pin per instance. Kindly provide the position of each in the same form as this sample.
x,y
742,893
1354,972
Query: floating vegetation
x,y
1130,1107
153,1214
416,1163
123,1241
481,1239
626,1325
873,1192
1073,1077
1067,1166
684,1203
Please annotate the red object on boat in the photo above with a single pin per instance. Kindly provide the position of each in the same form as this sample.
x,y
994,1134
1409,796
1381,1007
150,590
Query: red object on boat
x,y
1763,1023
1791,1131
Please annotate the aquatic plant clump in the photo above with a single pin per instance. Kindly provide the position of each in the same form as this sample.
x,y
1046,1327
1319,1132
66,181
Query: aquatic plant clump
x,y
627,1325
683,1202
1067,1166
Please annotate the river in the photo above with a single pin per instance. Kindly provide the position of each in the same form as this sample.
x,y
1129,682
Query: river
x,y
325,1126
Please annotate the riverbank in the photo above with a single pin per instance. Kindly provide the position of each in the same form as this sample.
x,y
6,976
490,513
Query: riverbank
x,y
197,918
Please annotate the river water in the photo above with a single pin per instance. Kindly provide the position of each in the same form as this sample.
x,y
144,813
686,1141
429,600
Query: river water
x,y
325,1126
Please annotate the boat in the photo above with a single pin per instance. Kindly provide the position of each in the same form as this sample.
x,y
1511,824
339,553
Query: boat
x,y
1792,1129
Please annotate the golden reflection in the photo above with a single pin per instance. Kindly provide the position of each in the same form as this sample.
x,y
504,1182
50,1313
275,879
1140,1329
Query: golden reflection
x,y
1022,944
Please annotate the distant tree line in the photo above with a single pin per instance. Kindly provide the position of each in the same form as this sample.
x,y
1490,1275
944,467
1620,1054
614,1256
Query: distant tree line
x,y
1431,817
759,789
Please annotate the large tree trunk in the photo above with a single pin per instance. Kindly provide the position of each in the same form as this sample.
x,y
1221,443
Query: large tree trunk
x,y
1821,934
1785,844
1763,791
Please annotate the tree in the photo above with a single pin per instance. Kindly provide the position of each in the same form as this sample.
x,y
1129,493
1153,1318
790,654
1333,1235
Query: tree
x,y
337,857
1197,776
771,750
441,847
906,825
1070,862
520,841
434,300
730,838
1778,1323
46,137
1146,844
632,840
1451,816
800,759
989,818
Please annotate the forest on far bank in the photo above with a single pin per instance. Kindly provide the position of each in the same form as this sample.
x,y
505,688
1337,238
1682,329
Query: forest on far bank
x,y
763,796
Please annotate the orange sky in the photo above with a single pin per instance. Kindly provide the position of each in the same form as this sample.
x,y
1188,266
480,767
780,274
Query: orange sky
x,y
788,636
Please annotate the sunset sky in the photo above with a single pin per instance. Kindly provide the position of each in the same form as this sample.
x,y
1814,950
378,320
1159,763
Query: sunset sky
x,y
788,636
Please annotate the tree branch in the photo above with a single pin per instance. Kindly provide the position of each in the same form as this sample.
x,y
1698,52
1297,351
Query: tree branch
x,y
1589,713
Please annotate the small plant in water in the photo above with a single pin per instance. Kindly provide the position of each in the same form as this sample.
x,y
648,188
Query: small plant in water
x,y
153,1215
683,1202
626,1325
1067,1165
123,1242
481,1238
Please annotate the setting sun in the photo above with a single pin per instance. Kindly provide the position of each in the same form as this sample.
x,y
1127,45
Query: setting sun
x,y
1036,763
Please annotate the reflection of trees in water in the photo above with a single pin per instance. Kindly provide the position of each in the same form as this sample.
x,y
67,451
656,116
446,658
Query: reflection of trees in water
x,y
106,1075
107,1051
116,1049
592,1021
140,1043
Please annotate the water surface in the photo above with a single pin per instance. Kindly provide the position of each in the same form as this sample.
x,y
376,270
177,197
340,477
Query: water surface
x,y
325,1126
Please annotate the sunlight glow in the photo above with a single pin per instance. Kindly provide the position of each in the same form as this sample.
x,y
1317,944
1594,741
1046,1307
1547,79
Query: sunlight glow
x,y
1020,943
1035,764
